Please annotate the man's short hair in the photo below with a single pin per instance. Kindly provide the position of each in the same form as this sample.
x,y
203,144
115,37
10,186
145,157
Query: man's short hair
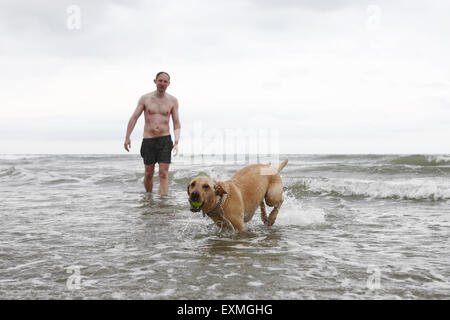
x,y
161,72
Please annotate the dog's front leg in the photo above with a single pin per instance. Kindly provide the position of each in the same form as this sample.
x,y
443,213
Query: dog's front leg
x,y
237,222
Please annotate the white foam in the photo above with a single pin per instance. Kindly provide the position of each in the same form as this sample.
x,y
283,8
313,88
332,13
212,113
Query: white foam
x,y
255,283
439,159
118,295
436,189
293,212
21,156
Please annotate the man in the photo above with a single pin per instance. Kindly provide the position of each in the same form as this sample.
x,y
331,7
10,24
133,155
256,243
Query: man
x,y
157,144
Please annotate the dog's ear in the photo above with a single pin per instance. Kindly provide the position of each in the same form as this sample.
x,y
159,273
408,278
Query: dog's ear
x,y
188,189
219,188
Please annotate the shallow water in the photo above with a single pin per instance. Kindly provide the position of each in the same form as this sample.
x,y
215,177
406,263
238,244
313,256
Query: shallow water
x,y
351,227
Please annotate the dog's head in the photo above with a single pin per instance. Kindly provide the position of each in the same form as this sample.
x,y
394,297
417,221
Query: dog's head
x,y
203,189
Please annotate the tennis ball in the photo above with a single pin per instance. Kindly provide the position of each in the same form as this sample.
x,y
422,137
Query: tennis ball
x,y
195,204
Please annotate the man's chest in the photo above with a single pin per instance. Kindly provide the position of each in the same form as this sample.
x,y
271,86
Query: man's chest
x,y
158,107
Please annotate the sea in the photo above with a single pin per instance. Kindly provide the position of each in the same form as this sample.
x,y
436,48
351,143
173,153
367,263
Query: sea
x,y
351,227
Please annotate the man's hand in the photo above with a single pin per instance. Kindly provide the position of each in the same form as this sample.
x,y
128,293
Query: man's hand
x,y
127,144
175,147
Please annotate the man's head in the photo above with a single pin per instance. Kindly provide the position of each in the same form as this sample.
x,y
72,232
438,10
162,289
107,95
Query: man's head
x,y
162,81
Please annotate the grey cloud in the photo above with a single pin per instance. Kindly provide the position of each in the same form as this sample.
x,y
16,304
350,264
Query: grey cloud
x,y
318,5
50,16
154,30
40,27
164,31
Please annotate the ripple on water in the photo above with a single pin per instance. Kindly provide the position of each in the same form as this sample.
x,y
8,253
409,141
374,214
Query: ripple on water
x,y
133,245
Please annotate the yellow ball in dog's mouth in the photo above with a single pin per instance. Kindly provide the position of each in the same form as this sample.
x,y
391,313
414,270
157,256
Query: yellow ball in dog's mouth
x,y
195,204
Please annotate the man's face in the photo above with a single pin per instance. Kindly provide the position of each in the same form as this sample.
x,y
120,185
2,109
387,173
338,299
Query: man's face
x,y
162,82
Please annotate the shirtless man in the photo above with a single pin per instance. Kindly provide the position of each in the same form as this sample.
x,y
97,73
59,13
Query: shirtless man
x,y
157,144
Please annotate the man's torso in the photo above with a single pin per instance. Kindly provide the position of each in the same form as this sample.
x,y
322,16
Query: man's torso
x,y
157,113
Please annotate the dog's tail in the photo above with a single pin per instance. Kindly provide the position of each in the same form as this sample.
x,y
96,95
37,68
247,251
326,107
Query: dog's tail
x,y
281,166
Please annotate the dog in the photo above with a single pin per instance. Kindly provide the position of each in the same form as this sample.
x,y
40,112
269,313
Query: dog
x,y
233,203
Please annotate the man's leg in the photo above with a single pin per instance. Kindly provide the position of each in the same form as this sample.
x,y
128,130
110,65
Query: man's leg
x,y
163,178
148,178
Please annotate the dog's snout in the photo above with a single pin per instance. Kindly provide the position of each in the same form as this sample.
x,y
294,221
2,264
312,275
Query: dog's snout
x,y
195,196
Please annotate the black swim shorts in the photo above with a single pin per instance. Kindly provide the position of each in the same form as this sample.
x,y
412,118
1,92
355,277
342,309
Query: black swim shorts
x,y
157,149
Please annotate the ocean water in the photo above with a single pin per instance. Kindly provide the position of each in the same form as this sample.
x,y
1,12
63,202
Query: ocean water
x,y
351,227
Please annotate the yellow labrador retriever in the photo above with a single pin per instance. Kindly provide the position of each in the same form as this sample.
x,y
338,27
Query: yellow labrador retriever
x,y
232,203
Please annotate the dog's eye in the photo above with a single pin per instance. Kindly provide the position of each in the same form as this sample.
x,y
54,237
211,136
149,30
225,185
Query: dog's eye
x,y
193,184
205,186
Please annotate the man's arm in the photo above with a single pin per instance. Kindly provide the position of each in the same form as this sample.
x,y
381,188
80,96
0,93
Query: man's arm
x,y
176,125
176,121
132,122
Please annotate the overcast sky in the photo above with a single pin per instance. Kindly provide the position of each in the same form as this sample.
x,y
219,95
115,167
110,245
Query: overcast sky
x,y
324,76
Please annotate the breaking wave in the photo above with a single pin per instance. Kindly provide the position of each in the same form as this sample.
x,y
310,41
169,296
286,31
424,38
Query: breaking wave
x,y
423,160
414,189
